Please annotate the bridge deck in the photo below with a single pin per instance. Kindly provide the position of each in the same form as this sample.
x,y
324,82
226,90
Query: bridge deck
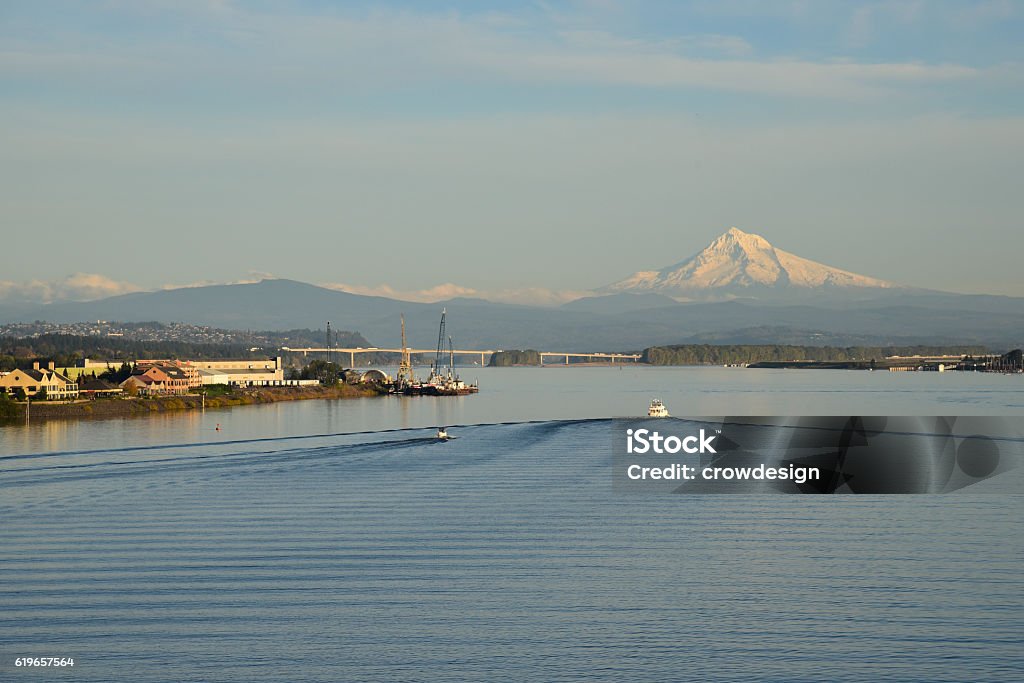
x,y
467,352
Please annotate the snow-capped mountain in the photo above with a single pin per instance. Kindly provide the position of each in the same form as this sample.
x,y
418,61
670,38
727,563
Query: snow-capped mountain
x,y
740,264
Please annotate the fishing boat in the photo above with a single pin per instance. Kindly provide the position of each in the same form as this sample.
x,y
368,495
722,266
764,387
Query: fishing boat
x,y
657,409
442,381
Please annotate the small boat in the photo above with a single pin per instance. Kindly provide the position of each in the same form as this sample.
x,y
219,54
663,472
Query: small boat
x,y
442,434
657,409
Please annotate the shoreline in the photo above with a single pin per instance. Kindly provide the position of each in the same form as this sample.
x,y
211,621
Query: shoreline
x,y
133,407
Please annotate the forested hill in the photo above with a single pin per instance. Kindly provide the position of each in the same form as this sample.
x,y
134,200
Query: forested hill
x,y
707,354
504,359
66,349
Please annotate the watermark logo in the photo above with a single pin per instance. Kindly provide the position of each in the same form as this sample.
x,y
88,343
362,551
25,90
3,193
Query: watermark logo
x,y
851,455
641,441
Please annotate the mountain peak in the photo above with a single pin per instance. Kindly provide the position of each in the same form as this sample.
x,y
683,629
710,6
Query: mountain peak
x,y
736,238
739,263
738,234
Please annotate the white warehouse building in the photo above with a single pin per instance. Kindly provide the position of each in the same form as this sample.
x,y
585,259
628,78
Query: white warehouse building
x,y
242,373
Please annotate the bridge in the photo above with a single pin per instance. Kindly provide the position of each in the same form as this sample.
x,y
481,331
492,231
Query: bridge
x,y
483,353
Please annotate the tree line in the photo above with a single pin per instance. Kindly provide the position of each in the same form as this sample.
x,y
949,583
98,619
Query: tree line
x,y
710,354
504,359
66,349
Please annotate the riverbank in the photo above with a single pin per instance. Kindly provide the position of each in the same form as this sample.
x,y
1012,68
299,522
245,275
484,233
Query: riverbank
x,y
129,407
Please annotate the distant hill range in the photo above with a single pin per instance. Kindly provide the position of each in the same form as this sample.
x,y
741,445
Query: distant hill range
x,y
739,290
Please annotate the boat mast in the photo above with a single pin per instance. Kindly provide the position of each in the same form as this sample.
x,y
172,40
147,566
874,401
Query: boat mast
x,y
440,343
405,366
451,358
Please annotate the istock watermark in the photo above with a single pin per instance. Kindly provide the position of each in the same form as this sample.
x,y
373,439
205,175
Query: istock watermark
x,y
643,440
849,455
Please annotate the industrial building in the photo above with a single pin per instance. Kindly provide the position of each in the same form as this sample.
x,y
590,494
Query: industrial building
x,y
250,372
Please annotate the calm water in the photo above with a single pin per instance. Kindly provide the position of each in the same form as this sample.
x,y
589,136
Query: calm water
x,y
330,541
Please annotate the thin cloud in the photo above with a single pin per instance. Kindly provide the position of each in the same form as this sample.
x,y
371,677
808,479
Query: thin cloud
x,y
527,296
536,296
92,286
839,80
429,295
74,287
859,31
252,278
387,49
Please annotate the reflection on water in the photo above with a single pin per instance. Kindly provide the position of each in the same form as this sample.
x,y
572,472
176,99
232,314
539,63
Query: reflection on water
x,y
518,394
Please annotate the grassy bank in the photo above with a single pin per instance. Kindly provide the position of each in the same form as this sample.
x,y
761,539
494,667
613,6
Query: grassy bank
x,y
128,407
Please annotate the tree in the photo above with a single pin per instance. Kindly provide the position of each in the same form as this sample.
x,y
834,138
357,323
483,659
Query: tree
x,y
41,394
117,376
19,394
7,407
514,357
327,373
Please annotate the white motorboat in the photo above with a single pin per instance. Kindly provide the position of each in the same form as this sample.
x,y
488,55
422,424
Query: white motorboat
x,y
442,434
657,409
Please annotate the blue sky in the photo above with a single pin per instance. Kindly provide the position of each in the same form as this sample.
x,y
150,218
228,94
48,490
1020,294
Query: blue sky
x,y
523,151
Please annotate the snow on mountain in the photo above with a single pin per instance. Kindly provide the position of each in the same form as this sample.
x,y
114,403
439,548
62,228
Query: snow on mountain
x,y
739,263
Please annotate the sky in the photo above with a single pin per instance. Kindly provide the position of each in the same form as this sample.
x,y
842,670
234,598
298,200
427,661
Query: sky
x,y
521,151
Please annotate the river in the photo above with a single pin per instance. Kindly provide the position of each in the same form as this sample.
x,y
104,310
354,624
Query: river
x,y
336,540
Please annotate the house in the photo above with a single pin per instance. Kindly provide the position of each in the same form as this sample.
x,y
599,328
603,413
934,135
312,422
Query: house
x,y
173,377
157,380
56,386
146,385
180,369
92,387
143,385
192,375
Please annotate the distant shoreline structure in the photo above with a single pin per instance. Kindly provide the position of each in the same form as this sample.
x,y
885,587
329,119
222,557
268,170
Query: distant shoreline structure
x,y
142,407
